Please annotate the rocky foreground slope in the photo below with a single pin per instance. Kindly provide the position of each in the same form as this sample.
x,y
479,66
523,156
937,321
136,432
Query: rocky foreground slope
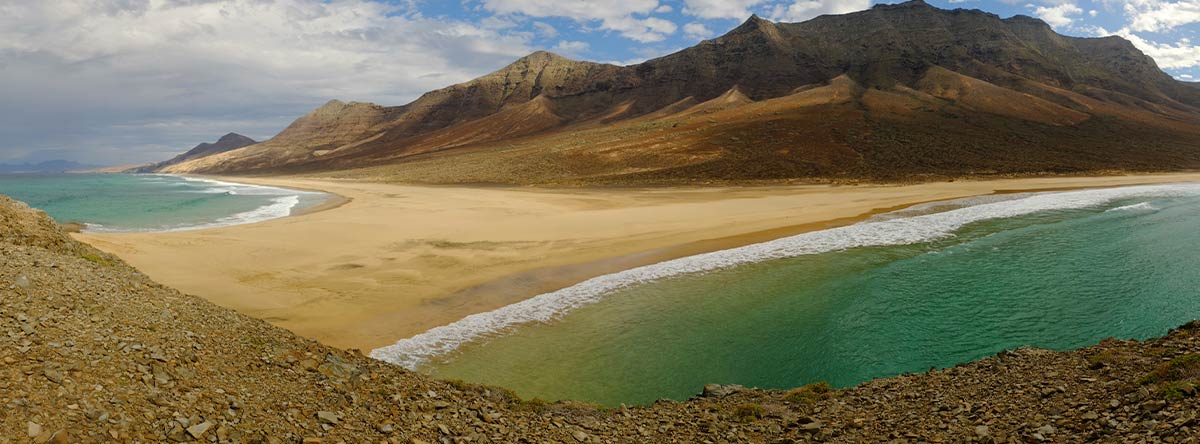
x,y
93,351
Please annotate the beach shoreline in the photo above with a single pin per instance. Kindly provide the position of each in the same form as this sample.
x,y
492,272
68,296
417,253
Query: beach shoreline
x,y
392,261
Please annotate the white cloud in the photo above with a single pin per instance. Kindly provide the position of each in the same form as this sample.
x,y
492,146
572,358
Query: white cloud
x,y
571,47
1181,54
1058,16
546,30
696,31
664,9
1160,15
800,10
614,15
1187,77
718,9
78,73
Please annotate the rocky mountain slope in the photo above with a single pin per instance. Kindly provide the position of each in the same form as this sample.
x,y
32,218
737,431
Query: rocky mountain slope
x,y
228,142
898,92
93,351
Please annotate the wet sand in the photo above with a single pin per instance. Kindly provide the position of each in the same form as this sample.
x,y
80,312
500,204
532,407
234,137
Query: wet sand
x,y
390,261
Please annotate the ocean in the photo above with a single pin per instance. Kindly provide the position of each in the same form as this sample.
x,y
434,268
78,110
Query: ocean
x,y
926,287
147,202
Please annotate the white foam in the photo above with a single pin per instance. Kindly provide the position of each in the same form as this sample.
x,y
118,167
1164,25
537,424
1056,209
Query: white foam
x,y
414,351
280,206
222,187
1144,207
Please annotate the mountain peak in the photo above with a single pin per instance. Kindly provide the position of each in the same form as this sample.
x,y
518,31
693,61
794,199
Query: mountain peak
x,y
753,23
541,59
228,142
1027,20
231,137
911,4
332,104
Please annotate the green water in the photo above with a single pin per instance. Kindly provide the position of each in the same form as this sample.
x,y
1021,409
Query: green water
x,y
1055,279
126,202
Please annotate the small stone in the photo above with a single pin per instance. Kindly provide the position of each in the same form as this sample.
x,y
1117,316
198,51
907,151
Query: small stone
x,y
311,441
386,428
328,417
22,282
982,431
33,429
580,436
720,391
1047,430
200,429
1154,406
60,437
1090,416
812,426
53,375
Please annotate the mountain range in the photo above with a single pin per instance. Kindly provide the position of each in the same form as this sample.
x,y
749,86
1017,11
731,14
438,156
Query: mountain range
x,y
898,92
49,166
228,142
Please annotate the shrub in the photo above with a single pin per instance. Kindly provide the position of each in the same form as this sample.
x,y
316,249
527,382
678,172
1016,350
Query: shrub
x,y
748,412
1175,390
810,393
1178,369
96,259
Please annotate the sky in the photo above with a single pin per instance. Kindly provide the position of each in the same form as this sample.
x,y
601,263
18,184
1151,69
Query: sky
x,y
122,82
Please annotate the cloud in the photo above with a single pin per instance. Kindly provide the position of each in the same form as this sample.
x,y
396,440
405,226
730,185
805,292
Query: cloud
x,y
1058,16
84,74
696,31
1181,54
1160,15
571,47
800,10
613,15
719,9
545,30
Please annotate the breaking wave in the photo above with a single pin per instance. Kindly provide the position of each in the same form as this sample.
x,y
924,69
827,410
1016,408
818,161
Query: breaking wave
x,y
918,225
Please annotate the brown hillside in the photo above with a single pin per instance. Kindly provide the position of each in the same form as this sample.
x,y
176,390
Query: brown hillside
x,y
937,93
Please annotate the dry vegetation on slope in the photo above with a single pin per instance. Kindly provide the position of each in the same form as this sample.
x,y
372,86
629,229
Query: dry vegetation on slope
x,y
93,351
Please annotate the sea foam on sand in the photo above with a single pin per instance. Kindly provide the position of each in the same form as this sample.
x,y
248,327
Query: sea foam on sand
x,y
414,351
278,207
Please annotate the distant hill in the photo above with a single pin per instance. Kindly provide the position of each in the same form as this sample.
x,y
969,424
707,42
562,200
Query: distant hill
x,y
49,166
228,142
898,92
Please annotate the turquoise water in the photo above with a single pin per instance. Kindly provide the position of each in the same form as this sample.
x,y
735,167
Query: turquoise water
x,y
128,202
1065,271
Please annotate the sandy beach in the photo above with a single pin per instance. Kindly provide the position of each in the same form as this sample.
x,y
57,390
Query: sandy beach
x,y
395,260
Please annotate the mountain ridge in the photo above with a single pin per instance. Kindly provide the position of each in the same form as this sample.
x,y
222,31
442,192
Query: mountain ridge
x,y
228,142
48,166
1020,62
